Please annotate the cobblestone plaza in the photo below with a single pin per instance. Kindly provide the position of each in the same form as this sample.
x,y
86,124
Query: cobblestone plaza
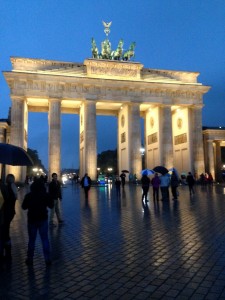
x,y
114,248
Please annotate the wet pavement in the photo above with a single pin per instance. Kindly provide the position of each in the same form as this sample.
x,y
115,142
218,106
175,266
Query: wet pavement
x,y
115,248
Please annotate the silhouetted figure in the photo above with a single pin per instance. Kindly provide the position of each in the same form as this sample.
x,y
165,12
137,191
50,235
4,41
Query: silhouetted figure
x,y
174,182
190,181
145,182
117,185
37,202
9,193
123,179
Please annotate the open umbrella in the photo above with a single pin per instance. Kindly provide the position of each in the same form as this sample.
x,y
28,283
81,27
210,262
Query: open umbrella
x,y
161,169
125,171
13,155
147,172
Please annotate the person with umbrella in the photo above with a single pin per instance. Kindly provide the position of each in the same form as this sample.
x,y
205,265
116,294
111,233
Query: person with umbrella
x,y
123,178
145,181
9,193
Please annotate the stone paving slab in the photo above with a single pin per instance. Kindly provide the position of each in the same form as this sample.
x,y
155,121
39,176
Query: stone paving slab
x,y
114,248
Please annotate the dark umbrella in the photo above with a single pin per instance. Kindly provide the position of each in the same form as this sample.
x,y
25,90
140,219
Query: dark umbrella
x,y
14,156
125,171
160,169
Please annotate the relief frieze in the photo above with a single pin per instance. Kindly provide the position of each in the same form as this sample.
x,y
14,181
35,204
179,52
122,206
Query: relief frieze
x,y
73,88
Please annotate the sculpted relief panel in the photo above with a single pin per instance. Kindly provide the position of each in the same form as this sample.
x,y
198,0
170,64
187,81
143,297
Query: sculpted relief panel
x,y
35,88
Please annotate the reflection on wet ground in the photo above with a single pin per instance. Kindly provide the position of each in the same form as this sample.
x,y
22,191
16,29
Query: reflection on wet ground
x,y
115,247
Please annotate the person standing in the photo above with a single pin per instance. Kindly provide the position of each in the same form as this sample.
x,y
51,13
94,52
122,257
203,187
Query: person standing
x,y
36,202
174,182
156,184
56,195
123,179
164,186
190,181
145,181
86,184
118,185
9,193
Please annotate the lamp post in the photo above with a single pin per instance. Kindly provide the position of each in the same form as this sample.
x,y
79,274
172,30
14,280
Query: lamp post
x,y
142,150
109,177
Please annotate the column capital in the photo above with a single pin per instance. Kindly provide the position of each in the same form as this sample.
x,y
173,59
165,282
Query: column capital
x,y
17,98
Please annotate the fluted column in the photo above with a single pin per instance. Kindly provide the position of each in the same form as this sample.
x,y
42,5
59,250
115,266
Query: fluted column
x,y
197,140
135,139
18,136
210,160
54,139
218,160
166,137
88,145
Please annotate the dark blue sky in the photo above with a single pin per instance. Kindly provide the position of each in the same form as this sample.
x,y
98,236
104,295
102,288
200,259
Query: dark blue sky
x,y
185,35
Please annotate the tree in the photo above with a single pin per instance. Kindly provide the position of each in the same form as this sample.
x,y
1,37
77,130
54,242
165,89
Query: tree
x,y
36,160
107,159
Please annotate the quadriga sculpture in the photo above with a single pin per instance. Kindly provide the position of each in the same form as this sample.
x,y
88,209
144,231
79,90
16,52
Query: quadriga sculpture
x,y
130,52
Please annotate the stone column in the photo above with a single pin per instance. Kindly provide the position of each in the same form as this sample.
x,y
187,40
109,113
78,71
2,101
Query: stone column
x,y
218,174
197,140
135,139
210,158
54,137
18,136
166,137
88,146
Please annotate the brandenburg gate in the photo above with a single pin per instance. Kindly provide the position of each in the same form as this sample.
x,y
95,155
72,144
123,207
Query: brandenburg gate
x,y
170,102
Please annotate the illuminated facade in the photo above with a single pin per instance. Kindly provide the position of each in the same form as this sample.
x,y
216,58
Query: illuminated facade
x,y
169,101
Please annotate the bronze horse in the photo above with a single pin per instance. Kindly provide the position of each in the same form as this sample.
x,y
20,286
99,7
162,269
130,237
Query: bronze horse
x,y
117,54
130,52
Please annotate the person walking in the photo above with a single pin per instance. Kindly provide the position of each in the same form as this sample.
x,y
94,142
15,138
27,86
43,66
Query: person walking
x,y
36,202
86,184
55,194
145,181
155,185
190,181
174,182
164,186
9,195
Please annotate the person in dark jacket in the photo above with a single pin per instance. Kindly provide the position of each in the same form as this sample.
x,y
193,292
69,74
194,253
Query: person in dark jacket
x,y
36,202
56,194
174,182
155,185
190,181
117,185
145,181
9,194
86,184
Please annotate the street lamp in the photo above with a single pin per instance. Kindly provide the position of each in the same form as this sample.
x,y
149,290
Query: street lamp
x,y
142,150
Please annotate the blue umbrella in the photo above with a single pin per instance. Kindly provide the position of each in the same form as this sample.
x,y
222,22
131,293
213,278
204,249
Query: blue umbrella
x,y
147,172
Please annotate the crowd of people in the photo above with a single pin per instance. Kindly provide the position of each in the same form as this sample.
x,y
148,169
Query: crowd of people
x,y
43,196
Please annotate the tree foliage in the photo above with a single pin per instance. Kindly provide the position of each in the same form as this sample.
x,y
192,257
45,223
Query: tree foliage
x,y
107,159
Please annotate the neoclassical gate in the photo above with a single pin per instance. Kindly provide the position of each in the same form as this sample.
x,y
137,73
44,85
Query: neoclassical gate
x,y
169,101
